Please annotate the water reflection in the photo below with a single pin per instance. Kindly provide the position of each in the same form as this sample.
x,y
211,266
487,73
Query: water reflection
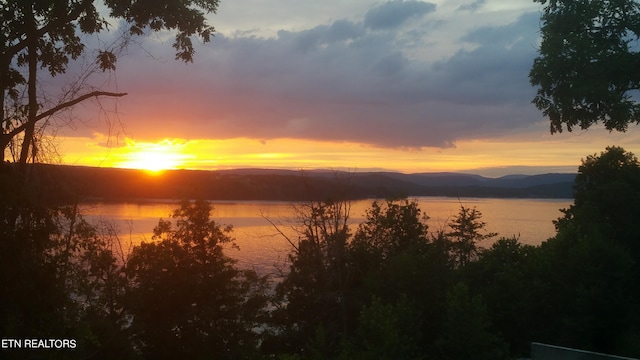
x,y
262,247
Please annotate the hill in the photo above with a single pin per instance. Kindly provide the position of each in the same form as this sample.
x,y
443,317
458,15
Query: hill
x,y
289,185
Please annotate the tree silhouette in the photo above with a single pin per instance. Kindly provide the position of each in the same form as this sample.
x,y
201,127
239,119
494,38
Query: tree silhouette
x,y
38,36
588,64
607,198
314,293
186,297
466,231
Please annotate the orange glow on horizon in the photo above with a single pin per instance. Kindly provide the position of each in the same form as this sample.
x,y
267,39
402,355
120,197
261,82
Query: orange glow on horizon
x,y
153,157
562,153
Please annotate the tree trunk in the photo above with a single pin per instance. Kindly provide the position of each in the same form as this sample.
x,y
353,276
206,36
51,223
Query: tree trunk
x,y
32,59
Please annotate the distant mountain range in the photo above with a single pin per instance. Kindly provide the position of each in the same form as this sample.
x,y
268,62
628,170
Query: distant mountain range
x,y
110,184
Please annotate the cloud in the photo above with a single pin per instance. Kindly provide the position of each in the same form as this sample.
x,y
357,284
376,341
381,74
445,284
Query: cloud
x,y
495,71
394,13
472,6
340,81
338,32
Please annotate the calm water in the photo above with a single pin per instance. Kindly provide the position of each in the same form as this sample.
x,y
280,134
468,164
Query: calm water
x,y
261,247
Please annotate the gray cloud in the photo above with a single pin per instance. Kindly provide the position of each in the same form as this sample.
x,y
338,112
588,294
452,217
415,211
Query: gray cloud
x,y
339,32
496,70
336,82
472,6
394,13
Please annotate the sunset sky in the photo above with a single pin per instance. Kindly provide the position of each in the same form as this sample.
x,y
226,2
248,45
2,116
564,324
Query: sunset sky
x,y
405,86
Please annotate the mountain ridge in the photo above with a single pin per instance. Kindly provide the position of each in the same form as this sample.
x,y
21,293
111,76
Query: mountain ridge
x,y
293,185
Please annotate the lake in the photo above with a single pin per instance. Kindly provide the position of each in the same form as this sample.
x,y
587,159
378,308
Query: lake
x,y
264,249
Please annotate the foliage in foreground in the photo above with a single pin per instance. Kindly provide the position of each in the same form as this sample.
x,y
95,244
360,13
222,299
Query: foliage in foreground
x,y
387,288
586,71
186,298
577,289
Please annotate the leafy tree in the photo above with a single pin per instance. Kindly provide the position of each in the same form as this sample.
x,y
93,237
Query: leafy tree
x,y
60,280
385,332
466,231
392,257
607,198
186,297
587,70
410,264
586,286
47,35
391,228
389,268
59,277
591,265
466,333
29,275
392,240
505,275
314,292
93,284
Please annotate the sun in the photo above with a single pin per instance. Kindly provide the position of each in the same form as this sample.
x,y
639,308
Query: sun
x,y
152,161
154,157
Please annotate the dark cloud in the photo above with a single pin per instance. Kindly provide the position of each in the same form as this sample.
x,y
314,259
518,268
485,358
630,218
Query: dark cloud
x,y
394,13
526,28
337,82
472,6
339,32
496,71
391,64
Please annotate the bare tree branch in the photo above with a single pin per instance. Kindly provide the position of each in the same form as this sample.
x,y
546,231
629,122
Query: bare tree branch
x,y
277,228
63,106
